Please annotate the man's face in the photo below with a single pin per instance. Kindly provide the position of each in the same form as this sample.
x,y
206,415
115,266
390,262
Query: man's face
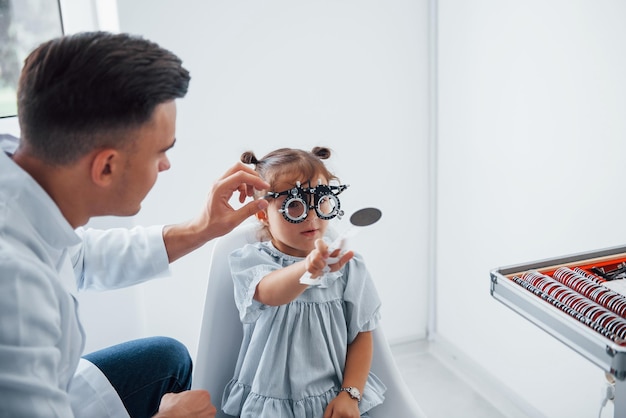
x,y
146,158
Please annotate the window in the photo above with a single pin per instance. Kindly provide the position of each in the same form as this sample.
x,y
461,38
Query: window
x,y
24,24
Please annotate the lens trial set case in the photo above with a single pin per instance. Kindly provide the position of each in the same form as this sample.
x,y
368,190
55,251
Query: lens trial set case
x,y
579,299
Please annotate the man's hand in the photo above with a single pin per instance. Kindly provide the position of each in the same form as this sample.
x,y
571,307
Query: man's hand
x,y
218,216
187,404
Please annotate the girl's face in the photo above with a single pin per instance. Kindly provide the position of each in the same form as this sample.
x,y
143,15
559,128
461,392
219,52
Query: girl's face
x,y
297,239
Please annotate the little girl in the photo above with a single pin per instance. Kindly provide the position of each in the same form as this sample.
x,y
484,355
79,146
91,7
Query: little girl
x,y
306,350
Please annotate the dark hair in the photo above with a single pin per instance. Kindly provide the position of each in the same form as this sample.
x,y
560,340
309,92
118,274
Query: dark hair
x,y
293,161
80,92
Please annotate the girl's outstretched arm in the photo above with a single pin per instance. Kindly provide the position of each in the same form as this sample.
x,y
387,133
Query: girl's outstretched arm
x,y
282,286
358,363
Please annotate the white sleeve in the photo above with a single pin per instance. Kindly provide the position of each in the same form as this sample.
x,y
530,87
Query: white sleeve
x,y
118,257
91,394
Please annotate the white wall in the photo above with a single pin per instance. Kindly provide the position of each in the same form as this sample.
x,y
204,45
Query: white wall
x,y
532,138
351,75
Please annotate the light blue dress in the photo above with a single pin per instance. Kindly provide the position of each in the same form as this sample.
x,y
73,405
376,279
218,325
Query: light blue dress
x,y
292,356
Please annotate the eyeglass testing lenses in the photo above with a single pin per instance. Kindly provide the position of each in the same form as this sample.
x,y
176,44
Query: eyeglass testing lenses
x,y
327,206
294,209
296,206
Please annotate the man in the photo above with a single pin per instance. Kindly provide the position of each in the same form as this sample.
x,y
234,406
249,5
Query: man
x,y
97,116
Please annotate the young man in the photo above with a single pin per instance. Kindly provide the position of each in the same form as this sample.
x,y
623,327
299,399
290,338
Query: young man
x,y
97,116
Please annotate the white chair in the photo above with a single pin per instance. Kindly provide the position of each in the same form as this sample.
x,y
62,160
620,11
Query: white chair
x,y
221,334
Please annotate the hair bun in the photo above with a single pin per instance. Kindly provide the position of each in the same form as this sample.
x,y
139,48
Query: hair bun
x,y
321,152
248,157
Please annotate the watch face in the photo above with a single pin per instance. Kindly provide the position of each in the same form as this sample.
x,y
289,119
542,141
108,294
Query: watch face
x,y
354,393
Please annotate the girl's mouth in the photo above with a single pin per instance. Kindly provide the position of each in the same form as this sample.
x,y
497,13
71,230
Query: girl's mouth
x,y
309,232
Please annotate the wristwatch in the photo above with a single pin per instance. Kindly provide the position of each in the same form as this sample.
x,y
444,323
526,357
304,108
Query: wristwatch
x,y
353,392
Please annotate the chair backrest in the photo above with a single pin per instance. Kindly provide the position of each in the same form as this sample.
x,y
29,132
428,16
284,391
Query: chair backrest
x,y
221,334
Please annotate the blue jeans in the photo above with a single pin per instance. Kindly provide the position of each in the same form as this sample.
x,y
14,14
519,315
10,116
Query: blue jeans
x,y
142,371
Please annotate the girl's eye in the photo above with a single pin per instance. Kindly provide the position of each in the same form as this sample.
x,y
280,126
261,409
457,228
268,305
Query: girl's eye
x,y
327,205
295,208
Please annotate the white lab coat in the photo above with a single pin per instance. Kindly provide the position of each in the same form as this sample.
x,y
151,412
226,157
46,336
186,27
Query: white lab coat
x,y
43,262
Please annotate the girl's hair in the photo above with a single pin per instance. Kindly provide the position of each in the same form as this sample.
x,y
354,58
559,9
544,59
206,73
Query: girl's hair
x,y
297,162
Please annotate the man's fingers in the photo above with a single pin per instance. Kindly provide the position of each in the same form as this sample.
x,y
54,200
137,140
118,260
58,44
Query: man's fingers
x,y
249,209
240,174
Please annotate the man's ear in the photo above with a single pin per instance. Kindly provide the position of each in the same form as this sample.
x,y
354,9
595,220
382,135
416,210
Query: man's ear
x,y
105,166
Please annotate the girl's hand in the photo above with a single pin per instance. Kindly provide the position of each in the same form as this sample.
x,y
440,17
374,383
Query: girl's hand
x,y
315,262
347,256
343,406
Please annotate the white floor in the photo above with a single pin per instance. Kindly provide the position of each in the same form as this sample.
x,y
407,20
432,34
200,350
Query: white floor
x,y
440,392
